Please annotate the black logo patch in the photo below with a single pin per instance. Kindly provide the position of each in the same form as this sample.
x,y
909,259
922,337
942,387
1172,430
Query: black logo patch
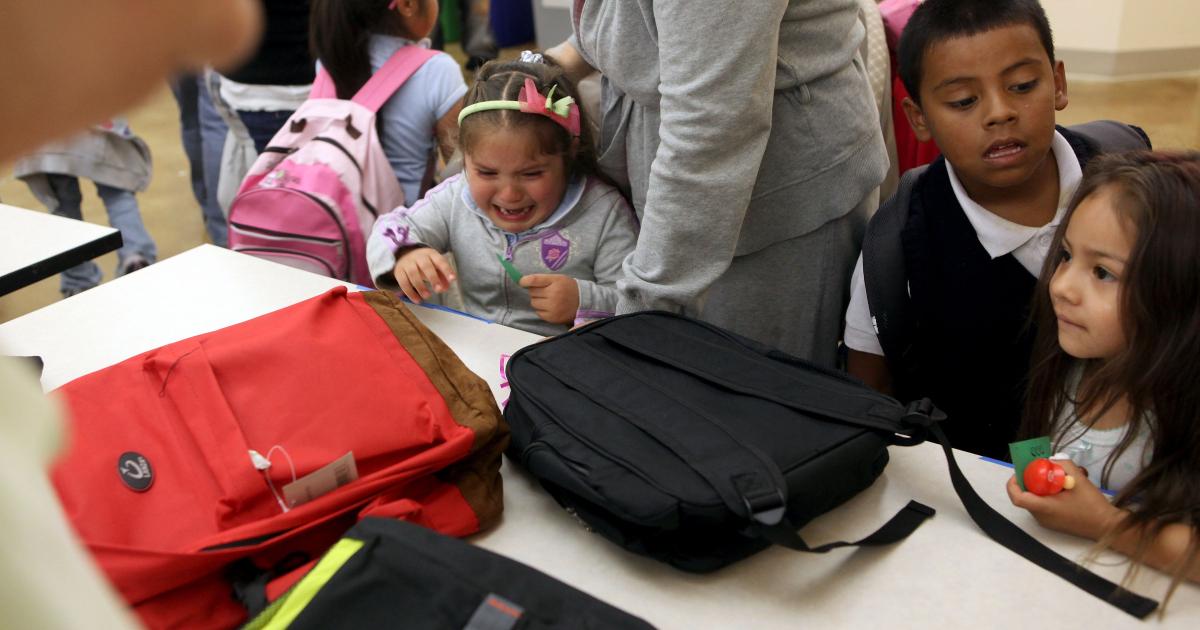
x,y
135,471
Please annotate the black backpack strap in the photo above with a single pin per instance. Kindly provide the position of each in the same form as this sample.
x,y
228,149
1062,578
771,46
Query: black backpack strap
x,y
1020,542
905,522
754,369
884,275
1110,136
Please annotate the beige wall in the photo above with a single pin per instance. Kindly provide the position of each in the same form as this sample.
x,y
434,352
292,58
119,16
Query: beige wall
x,y
1085,24
1159,24
1127,37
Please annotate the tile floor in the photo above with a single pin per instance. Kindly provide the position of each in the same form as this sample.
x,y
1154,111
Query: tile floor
x,y
1168,109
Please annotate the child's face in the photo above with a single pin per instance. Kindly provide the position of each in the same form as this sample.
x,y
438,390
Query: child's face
x,y
1086,286
988,100
512,181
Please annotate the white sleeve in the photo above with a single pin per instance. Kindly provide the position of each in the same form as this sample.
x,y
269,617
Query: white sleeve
x,y
860,332
444,84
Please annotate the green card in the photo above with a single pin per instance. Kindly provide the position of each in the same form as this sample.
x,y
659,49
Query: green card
x,y
1026,451
512,271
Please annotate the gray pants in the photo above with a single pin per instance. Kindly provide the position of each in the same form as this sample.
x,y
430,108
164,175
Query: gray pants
x,y
793,294
123,214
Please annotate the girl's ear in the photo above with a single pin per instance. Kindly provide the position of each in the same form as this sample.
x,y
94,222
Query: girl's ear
x,y
407,8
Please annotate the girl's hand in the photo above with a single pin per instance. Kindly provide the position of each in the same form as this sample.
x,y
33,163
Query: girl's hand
x,y
1081,511
554,297
419,268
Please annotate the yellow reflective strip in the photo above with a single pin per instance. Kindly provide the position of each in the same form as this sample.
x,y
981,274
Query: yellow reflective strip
x,y
300,595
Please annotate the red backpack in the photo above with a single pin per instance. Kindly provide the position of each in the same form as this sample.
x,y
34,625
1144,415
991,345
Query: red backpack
x,y
179,469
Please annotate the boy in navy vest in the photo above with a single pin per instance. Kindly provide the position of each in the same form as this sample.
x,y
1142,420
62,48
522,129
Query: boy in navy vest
x,y
969,234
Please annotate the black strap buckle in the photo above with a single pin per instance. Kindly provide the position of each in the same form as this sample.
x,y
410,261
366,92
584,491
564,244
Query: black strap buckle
x,y
767,508
918,418
921,413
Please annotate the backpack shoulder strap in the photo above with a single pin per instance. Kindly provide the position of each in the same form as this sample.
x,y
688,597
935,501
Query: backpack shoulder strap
x,y
1005,532
323,86
402,64
1108,136
884,275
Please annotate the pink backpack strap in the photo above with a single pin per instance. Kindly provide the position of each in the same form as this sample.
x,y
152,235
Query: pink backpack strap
x,y
323,86
402,64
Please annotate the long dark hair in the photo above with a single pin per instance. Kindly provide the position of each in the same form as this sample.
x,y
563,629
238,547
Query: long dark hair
x,y
339,34
1157,195
502,81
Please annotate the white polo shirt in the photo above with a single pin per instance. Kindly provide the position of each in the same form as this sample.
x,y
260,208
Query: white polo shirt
x,y
1029,245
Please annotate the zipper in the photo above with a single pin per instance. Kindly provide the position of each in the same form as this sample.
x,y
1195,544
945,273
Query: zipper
x,y
341,148
334,216
579,468
510,247
289,252
625,465
282,235
542,446
366,204
337,220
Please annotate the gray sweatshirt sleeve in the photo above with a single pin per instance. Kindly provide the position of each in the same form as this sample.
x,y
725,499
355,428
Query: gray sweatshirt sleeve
x,y
426,223
598,298
716,108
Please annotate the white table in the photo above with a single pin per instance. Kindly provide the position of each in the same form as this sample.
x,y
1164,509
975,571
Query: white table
x,y
36,245
947,574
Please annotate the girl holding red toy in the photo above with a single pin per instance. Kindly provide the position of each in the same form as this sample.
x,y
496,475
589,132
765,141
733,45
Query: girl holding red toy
x,y
1115,363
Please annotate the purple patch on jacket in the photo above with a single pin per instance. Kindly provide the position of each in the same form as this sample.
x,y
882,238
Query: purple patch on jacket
x,y
555,250
399,239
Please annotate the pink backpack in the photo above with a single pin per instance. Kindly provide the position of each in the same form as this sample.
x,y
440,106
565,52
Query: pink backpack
x,y
311,197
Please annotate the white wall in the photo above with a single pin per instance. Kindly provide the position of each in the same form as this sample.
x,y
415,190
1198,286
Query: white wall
x,y
1127,37
1085,24
1117,25
1160,24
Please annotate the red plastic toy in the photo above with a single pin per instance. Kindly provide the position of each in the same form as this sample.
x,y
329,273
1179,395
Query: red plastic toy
x,y
1044,478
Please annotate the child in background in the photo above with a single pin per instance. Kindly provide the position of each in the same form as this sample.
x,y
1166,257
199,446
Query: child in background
x,y
118,162
1116,359
984,85
529,195
352,39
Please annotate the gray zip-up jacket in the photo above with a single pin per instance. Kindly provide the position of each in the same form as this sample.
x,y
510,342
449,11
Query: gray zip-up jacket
x,y
735,124
109,154
586,238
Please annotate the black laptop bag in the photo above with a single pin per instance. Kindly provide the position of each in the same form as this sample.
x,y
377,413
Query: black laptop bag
x,y
385,573
687,443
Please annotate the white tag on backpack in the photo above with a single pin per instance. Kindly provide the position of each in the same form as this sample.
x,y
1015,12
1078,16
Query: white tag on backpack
x,y
327,478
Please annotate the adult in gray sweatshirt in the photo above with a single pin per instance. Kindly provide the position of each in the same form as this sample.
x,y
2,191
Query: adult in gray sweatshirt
x,y
748,140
